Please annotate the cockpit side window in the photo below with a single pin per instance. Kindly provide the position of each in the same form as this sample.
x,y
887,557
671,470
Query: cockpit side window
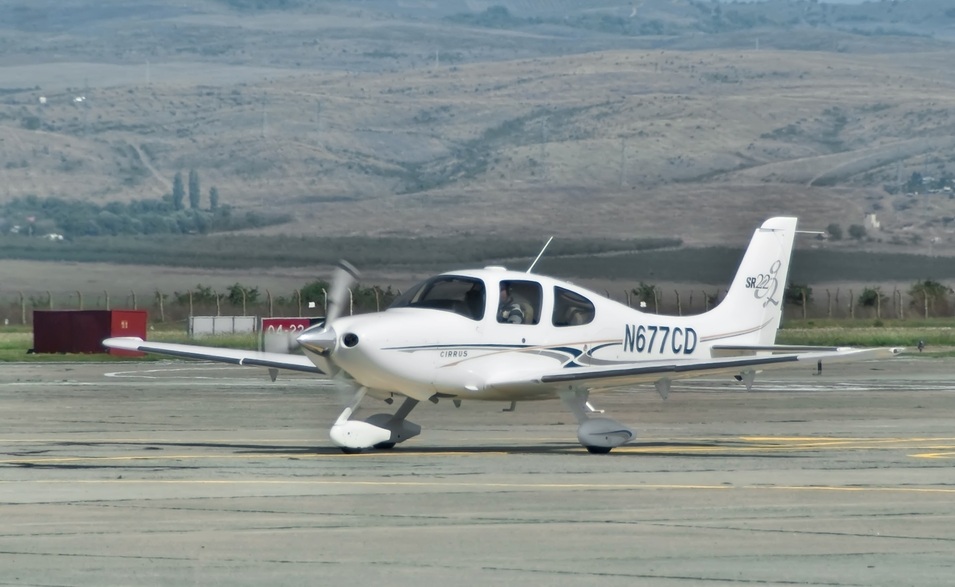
x,y
462,295
571,309
520,302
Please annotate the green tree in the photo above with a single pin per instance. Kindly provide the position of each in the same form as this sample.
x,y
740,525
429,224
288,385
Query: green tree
x,y
646,292
200,295
793,294
236,292
213,198
930,294
915,182
872,297
857,232
835,231
178,191
372,299
194,192
316,291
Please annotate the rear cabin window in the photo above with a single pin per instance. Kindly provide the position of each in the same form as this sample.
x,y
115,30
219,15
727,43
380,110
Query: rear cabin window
x,y
571,309
462,295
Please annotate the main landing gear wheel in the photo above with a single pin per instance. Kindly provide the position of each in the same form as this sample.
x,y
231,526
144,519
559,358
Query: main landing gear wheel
x,y
350,451
598,450
385,445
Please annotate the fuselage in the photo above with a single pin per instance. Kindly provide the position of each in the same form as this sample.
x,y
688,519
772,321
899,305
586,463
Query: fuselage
x,y
449,336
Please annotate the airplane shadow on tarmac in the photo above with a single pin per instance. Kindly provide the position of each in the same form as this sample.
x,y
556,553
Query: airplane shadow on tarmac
x,y
135,459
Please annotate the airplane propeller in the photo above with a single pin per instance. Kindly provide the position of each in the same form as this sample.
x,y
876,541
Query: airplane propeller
x,y
345,275
351,436
323,341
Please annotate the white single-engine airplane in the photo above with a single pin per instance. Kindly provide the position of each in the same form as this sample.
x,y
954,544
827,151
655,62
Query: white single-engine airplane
x,y
498,335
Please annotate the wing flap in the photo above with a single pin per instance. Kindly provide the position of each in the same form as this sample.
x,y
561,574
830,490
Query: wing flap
x,y
222,355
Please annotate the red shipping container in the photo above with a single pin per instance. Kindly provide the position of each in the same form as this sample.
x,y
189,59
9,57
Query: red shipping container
x,y
83,331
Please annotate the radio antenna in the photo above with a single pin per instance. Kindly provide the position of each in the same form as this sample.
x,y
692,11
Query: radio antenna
x,y
539,255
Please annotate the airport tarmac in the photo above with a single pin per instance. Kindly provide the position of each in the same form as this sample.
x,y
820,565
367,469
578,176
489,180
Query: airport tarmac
x,y
175,473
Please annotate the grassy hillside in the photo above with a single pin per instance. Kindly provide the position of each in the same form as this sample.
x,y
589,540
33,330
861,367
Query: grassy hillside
x,y
390,120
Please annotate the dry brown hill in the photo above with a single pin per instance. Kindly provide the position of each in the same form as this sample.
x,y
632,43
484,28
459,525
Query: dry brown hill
x,y
357,121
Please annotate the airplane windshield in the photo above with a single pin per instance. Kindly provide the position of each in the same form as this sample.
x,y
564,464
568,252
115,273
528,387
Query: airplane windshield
x,y
462,295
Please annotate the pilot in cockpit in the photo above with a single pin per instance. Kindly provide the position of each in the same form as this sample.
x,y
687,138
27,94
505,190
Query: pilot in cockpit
x,y
512,308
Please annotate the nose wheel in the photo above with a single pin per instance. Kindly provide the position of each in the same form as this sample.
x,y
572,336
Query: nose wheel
x,y
381,431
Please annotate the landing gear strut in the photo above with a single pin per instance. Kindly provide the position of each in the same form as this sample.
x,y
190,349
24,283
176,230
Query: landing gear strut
x,y
379,431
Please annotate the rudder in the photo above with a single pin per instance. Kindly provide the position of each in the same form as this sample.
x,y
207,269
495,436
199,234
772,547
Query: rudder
x,y
755,298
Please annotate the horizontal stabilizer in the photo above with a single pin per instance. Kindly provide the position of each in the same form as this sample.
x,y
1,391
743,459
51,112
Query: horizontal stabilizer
x,y
719,351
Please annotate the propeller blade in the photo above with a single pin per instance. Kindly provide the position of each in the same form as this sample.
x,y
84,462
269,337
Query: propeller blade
x,y
323,341
345,276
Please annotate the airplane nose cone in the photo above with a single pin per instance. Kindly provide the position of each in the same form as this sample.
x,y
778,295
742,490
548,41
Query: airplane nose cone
x,y
321,342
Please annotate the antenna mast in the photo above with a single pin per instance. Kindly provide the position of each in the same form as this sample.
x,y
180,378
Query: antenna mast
x,y
539,255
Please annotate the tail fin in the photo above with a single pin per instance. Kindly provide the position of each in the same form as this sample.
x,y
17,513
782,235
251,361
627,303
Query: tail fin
x,y
754,302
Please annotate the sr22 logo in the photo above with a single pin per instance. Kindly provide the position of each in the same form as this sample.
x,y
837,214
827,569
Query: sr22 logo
x,y
765,285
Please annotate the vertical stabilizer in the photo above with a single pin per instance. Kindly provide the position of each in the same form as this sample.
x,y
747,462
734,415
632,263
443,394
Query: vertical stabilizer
x,y
754,302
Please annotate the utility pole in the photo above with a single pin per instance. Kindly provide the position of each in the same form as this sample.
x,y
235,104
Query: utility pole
x,y
543,155
265,120
623,162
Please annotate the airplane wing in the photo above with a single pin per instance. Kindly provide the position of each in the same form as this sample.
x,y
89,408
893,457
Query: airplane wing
x,y
233,356
597,378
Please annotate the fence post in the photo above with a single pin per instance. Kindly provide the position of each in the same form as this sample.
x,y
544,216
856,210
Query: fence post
x,y
679,306
803,292
878,304
135,304
23,309
243,302
218,303
268,296
298,298
106,295
706,302
828,304
852,305
49,297
162,309
79,298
